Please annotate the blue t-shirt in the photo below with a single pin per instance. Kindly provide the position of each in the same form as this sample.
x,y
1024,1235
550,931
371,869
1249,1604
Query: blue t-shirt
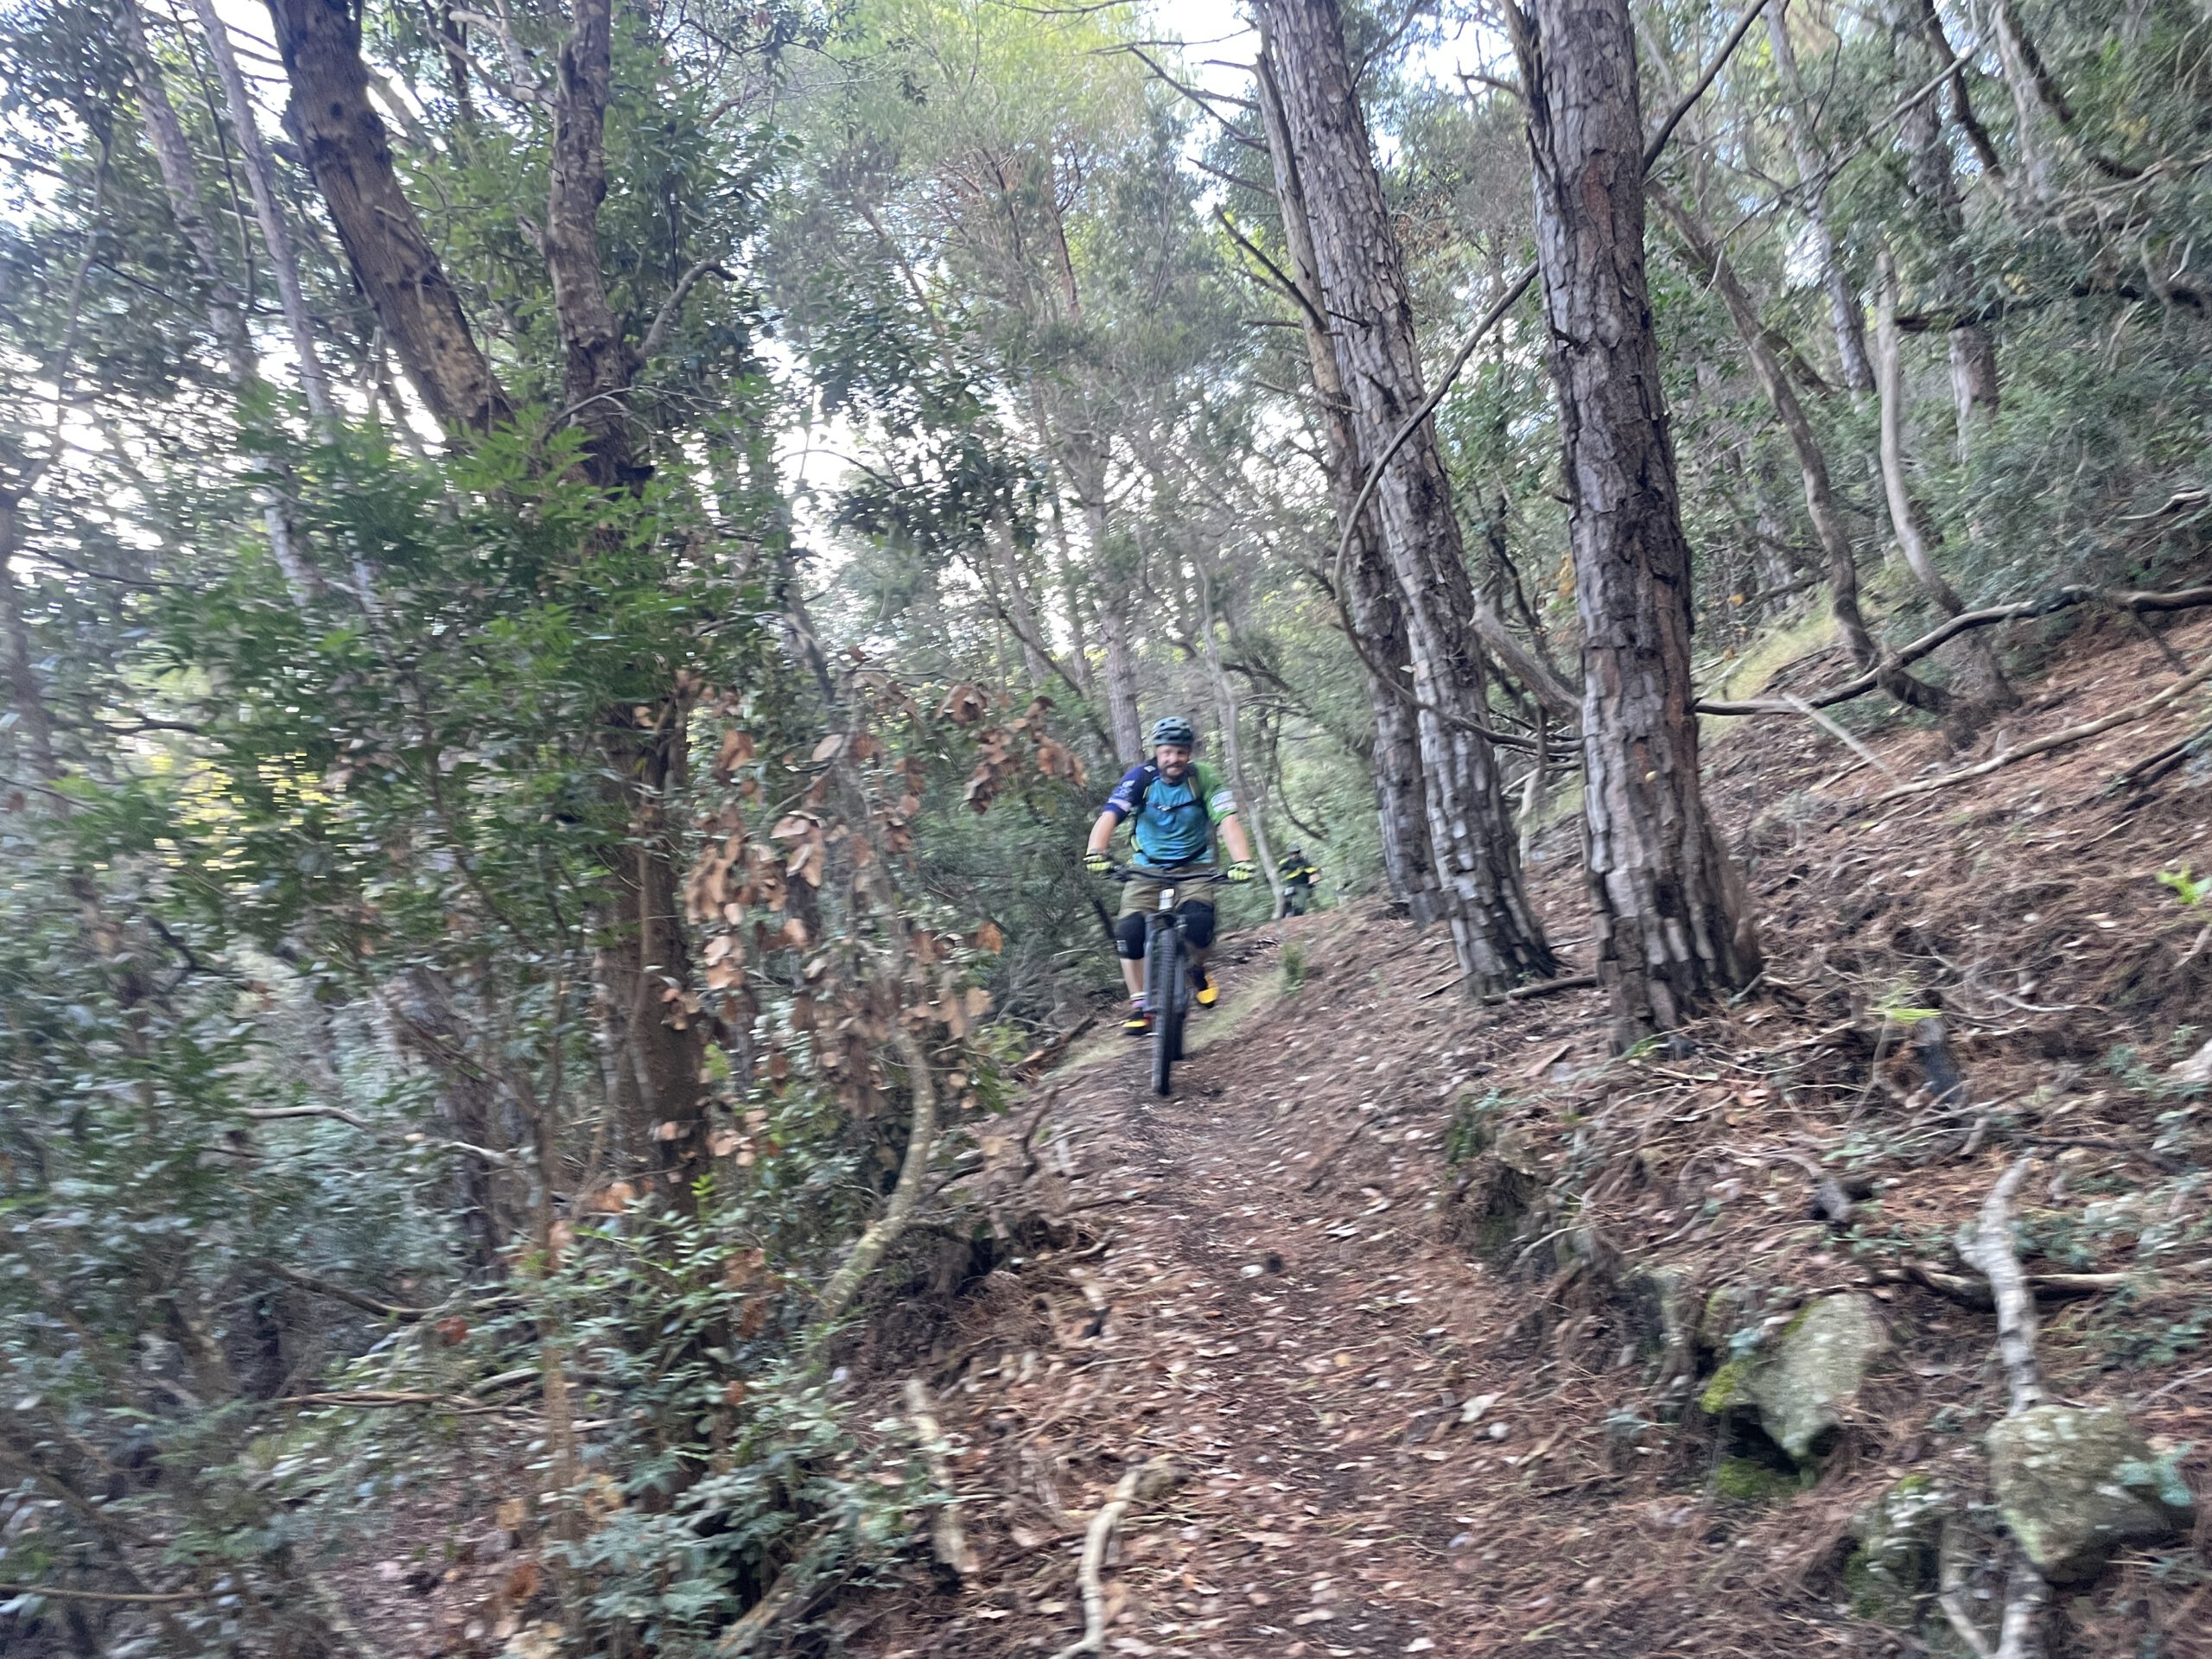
x,y
1174,822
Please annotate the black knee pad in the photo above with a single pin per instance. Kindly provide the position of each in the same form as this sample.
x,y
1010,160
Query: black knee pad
x,y
1128,938
1197,924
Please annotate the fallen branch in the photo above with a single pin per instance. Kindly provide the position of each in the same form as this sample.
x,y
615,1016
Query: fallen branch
x,y
1519,992
1148,1480
136,1597
2058,600
883,1232
2058,740
1990,1250
308,1282
457,1405
1967,1292
947,1537
2024,1593
1543,987
759,1619
1046,1056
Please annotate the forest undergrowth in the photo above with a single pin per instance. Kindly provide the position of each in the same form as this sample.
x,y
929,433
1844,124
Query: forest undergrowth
x,y
1397,1329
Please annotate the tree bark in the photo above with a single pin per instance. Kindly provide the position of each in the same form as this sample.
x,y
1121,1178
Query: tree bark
x,y
269,212
1986,685
1494,930
1370,600
1673,927
2025,81
598,362
1232,743
1812,161
1812,464
1021,614
350,155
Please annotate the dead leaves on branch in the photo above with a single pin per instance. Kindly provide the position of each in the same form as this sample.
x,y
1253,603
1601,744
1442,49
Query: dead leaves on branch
x,y
792,915
1009,752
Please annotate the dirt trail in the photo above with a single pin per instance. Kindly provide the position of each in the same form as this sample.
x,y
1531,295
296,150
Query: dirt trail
x,y
1282,1320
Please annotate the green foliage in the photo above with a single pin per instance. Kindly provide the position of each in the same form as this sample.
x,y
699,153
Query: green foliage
x,y
2189,891
727,1458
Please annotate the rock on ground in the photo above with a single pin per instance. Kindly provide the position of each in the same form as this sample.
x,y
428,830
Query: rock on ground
x,y
2075,1485
1801,1387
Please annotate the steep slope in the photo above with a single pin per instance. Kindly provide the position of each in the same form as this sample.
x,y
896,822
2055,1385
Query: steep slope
x,y
1431,1308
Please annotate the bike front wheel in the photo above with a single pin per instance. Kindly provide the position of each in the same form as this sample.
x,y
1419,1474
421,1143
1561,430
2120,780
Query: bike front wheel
x,y
1163,979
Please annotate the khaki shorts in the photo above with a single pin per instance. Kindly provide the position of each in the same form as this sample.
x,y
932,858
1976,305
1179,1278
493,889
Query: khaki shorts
x,y
1141,893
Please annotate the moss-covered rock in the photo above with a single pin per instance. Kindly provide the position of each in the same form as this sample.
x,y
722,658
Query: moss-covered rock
x,y
1895,1562
1799,1386
2074,1485
1803,1384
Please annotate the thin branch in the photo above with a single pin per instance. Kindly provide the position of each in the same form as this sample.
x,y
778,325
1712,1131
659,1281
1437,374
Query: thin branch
x,y
2059,599
308,1282
672,309
2057,740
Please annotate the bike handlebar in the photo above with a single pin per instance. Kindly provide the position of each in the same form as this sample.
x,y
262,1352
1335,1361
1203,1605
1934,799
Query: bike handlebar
x,y
1136,872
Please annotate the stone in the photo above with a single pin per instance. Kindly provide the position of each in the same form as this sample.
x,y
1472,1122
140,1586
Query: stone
x,y
1800,1385
2074,1485
1898,1532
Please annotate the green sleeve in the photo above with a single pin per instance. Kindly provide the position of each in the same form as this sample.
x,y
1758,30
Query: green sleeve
x,y
1220,799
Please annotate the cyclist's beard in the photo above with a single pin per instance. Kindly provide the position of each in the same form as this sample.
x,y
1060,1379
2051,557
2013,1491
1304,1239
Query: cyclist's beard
x,y
1172,771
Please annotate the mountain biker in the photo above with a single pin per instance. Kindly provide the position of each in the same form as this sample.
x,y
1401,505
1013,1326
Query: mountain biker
x,y
1175,804
1297,878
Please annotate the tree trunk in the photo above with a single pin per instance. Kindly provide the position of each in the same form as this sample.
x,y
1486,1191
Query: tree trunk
x,y
1232,744
1494,931
1929,176
1805,147
225,304
1020,615
646,983
269,212
598,361
1371,601
644,970
1086,463
1812,464
2024,78
1673,927
1986,683
349,155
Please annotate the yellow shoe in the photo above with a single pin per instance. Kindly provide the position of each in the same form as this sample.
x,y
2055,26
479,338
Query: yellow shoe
x,y
1138,1023
1207,996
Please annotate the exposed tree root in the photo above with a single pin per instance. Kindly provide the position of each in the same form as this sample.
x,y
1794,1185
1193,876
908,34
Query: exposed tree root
x,y
1148,1480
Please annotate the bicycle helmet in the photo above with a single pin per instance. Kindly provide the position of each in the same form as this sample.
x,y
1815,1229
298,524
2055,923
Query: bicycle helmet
x,y
1173,728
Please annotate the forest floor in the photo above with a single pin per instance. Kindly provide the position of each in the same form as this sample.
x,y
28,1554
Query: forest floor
x,y
1392,1430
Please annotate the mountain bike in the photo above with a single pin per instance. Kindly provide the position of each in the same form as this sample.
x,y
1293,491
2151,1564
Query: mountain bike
x,y
1167,990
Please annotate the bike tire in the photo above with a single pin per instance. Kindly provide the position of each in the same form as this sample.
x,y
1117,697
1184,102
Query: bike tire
x,y
1163,969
